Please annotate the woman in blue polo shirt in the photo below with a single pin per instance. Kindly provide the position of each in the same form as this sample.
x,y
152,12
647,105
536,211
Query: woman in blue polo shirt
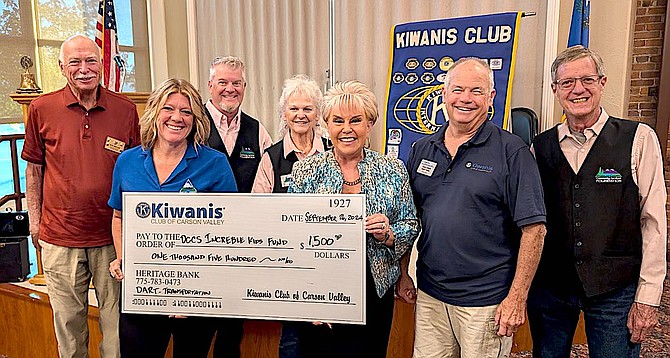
x,y
172,158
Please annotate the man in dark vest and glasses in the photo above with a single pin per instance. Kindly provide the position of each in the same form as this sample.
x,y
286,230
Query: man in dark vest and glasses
x,y
605,249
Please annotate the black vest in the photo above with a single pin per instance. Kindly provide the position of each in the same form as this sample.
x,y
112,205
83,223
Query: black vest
x,y
594,239
246,155
283,165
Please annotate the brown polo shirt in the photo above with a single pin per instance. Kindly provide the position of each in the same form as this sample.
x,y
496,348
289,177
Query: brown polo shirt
x,y
78,149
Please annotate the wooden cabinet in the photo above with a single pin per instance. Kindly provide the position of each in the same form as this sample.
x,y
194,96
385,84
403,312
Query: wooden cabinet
x,y
26,329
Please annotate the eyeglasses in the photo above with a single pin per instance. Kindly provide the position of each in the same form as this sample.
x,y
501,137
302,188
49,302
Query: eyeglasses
x,y
569,83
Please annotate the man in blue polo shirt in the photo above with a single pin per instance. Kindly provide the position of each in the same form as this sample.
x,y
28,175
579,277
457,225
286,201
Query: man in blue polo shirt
x,y
479,195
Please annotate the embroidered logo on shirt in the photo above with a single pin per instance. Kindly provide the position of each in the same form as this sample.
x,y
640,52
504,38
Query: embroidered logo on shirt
x,y
479,167
188,187
247,153
286,180
608,176
426,167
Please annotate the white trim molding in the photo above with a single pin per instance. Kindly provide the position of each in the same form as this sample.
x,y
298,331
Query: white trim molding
x,y
157,41
193,68
550,52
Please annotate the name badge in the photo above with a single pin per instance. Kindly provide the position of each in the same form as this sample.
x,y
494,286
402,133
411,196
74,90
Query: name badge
x,y
114,145
247,153
286,180
426,167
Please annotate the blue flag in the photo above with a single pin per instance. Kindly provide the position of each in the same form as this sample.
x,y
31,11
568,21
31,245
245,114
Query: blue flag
x,y
579,27
421,54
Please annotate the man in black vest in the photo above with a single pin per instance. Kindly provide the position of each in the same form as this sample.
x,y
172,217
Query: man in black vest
x,y
605,249
243,139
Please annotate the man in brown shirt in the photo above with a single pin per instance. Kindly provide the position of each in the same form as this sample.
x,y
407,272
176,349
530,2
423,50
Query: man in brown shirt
x,y
73,137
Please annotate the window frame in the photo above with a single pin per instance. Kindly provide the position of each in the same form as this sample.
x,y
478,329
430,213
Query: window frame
x,y
29,15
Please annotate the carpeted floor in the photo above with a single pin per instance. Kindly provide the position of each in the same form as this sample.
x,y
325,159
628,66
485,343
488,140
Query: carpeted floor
x,y
657,345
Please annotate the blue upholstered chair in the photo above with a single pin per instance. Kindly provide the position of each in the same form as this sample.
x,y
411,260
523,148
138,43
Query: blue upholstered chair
x,y
524,123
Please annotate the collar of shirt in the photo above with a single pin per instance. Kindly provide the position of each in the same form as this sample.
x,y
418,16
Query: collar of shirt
x,y
317,146
220,119
591,132
69,99
481,136
191,152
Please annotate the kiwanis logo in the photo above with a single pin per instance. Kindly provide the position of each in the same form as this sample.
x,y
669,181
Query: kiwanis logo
x,y
143,210
479,167
421,109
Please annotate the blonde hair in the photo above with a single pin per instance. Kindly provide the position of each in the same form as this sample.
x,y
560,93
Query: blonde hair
x,y
352,94
295,86
149,121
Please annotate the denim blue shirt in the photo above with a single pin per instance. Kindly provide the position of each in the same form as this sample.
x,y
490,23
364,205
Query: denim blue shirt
x,y
385,183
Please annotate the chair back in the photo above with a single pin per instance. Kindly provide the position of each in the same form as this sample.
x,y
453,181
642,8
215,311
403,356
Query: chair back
x,y
524,123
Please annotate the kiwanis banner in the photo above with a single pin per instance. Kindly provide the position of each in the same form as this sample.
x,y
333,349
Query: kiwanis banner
x,y
422,53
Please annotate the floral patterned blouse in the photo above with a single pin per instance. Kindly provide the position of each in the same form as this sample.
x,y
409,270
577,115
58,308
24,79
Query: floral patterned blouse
x,y
385,183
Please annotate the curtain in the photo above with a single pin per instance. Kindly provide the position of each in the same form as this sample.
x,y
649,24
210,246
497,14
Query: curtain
x,y
275,38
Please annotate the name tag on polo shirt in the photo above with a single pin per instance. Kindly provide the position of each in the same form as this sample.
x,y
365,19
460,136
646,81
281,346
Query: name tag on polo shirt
x,y
114,145
426,167
247,153
286,180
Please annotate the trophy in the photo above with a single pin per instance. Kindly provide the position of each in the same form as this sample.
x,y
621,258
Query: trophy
x,y
28,84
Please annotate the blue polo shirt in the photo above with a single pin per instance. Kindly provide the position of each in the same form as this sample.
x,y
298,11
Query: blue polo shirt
x,y
472,207
202,170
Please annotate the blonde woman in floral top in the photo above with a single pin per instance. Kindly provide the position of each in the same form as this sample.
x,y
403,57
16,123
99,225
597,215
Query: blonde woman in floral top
x,y
350,111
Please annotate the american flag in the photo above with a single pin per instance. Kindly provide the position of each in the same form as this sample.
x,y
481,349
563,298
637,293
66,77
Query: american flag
x,y
107,40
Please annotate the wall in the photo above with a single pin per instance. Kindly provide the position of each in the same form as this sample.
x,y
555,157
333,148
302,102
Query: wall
x,y
612,37
168,40
611,26
650,20
177,44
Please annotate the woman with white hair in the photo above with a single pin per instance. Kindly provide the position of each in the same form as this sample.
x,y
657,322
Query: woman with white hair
x,y
299,118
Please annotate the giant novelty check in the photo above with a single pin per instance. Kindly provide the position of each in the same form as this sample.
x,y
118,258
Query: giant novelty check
x,y
268,256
